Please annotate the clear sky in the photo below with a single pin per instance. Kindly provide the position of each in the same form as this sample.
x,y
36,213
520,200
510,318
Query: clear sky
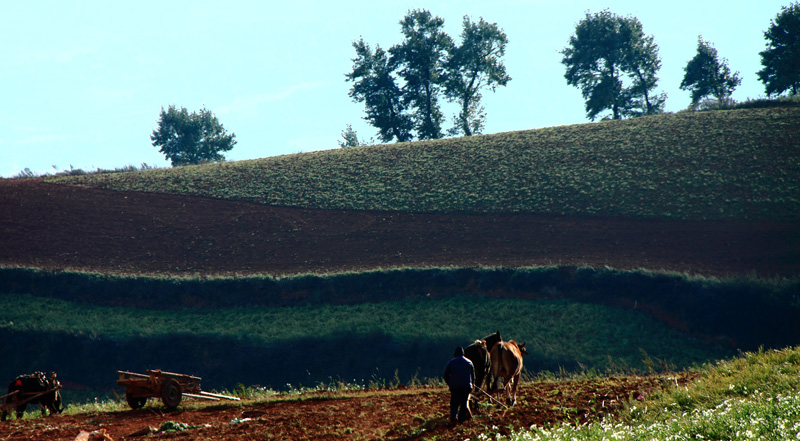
x,y
82,82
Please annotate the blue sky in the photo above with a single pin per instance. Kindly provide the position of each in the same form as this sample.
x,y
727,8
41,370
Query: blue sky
x,y
82,83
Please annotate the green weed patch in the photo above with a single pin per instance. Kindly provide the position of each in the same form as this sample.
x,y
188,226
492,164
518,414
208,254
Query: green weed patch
x,y
754,396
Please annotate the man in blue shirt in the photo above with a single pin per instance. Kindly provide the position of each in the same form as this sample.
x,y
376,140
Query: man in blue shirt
x,y
459,374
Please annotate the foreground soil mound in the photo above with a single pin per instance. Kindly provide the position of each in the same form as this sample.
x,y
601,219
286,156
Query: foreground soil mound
x,y
397,414
65,227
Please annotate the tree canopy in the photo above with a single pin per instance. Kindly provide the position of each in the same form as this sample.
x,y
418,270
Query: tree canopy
x,y
401,87
375,85
781,59
191,138
474,64
705,75
420,58
614,64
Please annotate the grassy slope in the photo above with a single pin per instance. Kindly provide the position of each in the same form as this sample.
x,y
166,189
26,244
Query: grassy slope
x,y
742,164
751,397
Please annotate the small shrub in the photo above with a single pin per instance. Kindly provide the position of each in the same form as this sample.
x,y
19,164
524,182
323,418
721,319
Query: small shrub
x,y
25,173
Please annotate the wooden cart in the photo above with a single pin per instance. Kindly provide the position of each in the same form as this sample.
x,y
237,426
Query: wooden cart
x,y
168,386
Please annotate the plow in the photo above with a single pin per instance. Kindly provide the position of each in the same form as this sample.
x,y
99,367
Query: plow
x,y
18,398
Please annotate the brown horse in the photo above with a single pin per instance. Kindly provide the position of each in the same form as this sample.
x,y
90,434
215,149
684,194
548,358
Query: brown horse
x,y
507,363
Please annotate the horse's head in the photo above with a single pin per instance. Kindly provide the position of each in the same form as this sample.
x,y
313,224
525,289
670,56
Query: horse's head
x,y
492,339
480,343
522,349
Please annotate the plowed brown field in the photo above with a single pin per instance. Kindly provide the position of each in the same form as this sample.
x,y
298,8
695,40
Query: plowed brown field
x,y
398,414
58,227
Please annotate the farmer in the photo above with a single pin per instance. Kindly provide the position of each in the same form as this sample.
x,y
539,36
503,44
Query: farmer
x,y
459,374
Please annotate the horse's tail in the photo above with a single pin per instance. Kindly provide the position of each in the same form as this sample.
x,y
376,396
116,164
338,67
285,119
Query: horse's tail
x,y
497,358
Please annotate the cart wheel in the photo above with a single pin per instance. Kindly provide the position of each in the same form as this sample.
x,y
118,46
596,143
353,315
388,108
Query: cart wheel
x,y
171,393
135,402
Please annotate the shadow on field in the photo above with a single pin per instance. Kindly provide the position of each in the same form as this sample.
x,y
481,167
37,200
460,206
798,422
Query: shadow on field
x,y
87,366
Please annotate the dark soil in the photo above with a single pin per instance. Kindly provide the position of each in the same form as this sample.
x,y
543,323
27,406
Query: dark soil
x,y
398,414
64,227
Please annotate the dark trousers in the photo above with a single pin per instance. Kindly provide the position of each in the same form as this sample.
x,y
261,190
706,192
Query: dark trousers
x,y
459,404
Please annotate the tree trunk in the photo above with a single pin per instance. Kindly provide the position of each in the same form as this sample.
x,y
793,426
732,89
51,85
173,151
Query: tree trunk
x,y
467,100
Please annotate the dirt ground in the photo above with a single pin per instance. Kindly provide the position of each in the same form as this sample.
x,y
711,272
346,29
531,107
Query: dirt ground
x,y
397,414
63,227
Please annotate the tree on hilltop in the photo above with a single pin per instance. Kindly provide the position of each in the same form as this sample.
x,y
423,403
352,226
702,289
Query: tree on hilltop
x,y
614,64
191,138
374,84
781,59
474,64
705,75
420,58
401,87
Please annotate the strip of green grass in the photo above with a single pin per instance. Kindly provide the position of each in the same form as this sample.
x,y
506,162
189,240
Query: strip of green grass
x,y
737,164
745,312
591,335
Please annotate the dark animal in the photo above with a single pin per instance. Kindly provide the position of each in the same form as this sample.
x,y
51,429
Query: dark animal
x,y
479,354
507,363
31,385
492,339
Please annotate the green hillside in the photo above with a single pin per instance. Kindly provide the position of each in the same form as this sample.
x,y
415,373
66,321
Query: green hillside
x,y
736,164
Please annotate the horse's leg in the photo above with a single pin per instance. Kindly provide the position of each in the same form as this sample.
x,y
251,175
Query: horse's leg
x,y
57,404
508,385
516,384
495,382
